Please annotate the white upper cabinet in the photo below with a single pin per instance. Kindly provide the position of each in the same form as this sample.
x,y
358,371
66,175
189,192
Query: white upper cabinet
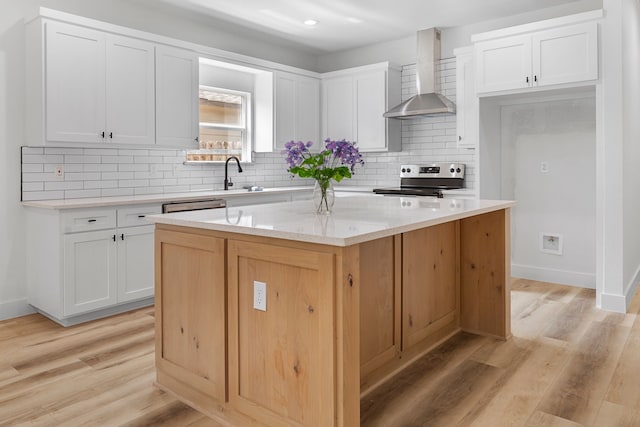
x,y
297,108
98,87
339,115
504,64
176,97
75,83
558,56
353,104
130,115
565,55
467,104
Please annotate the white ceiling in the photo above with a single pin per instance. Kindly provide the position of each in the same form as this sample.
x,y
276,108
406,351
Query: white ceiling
x,y
345,24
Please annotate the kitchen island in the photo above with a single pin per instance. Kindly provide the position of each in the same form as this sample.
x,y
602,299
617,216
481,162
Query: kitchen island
x,y
344,301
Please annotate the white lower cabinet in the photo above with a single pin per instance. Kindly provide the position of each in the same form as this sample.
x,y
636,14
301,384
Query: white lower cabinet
x,y
89,271
88,263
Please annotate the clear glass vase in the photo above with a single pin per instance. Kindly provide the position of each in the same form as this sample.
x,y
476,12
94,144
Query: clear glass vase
x,y
323,196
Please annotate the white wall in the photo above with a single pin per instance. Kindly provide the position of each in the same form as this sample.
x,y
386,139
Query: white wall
x,y
12,93
631,147
560,201
403,51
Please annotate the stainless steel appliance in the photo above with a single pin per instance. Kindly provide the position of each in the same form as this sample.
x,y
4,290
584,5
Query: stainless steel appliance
x,y
193,205
427,180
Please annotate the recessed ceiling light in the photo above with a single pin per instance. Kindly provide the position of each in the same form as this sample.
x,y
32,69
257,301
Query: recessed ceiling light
x,y
310,22
354,20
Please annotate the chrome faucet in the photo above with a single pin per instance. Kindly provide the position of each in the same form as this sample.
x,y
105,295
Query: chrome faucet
x,y
227,178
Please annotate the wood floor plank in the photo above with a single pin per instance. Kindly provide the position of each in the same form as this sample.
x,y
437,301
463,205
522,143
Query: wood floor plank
x,y
517,398
625,385
541,419
613,415
581,387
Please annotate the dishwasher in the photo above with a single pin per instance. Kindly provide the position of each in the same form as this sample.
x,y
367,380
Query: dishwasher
x,y
193,205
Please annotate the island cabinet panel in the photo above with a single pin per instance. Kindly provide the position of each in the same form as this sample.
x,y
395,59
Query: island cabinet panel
x,y
191,312
283,359
380,303
429,282
485,273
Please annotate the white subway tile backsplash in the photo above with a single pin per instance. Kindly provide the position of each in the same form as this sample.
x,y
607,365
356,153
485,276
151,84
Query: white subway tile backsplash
x,y
117,159
100,184
79,194
32,167
81,159
82,176
113,192
41,158
63,185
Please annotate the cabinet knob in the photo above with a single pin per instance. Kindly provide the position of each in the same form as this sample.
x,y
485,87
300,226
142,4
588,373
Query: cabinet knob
x,y
459,138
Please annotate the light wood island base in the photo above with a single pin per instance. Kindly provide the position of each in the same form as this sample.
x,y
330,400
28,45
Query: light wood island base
x,y
339,320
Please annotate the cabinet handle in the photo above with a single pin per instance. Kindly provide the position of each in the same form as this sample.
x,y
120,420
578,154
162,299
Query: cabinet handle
x,y
114,237
196,139
91,220
111,135
122,236
459,138
142,216
527,79
535,79
102,134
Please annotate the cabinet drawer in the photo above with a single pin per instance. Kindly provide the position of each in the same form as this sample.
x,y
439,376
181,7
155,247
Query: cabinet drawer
x,y
133,216
88,220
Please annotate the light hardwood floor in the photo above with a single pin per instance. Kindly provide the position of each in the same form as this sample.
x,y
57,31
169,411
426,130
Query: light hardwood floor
x,y
568,364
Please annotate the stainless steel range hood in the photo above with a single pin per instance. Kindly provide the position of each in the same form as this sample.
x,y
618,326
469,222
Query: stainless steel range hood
x,y
427,101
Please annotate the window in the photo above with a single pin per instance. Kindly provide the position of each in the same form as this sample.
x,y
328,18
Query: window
x,y
225,124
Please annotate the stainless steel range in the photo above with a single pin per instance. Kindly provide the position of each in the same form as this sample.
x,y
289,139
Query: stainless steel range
x,y
427,180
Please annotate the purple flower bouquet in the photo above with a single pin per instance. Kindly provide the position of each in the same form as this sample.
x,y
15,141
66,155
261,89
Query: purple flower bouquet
x,y
337,161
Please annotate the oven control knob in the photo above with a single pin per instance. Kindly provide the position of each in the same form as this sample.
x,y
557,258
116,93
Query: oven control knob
x,y
458,170
403,170
408,170
452,170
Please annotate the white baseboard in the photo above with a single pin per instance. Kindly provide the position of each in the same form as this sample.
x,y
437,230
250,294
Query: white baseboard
x,y
563,277
15,308
615,303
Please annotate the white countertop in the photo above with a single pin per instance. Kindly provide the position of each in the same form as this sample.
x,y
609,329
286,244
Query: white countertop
x,y
156,198
354,219
94,202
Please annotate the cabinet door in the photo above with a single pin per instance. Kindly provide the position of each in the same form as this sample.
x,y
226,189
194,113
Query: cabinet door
x,y
466,102
308,109
371,101
429,281
566,55
285,113
338,108
503,64
89,271
191,308
297,108
135,262
176,97
130,109
75,83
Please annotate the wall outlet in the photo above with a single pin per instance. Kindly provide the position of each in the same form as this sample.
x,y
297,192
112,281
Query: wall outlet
x,y
259,295
544,167
551,243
